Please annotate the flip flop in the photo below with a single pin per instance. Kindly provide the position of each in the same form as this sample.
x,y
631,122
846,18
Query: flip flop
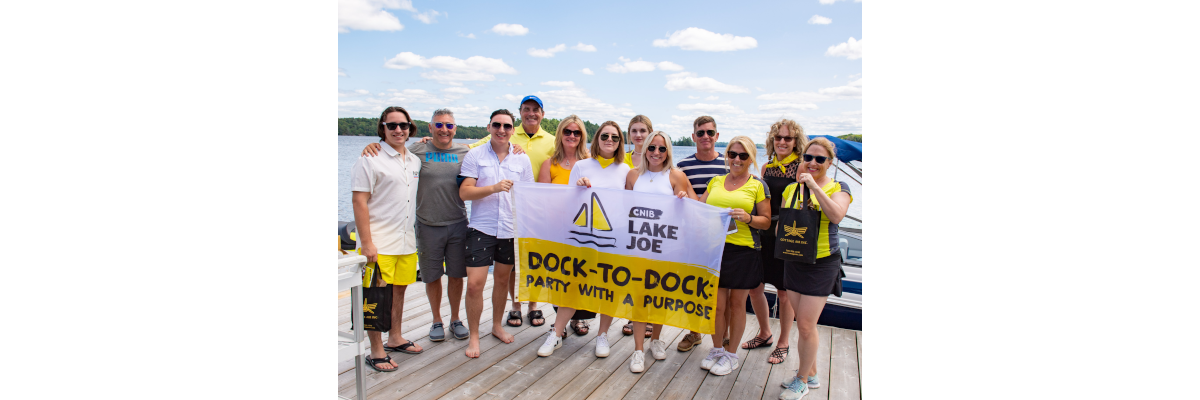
x,y
627,329
536,314
404,348
514,315
372,362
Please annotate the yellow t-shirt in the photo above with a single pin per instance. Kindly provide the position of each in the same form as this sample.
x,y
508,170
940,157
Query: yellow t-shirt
x,y
629,160
558,174
539,147
827,240
745,197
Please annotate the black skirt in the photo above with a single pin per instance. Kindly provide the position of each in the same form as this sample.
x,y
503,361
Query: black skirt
x,y
821,279
580,314
772,267
741,268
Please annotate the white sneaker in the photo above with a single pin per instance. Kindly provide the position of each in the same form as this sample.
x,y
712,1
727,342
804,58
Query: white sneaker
x,y
725,364
795,390
658,349
553,342
602,346
638,363
713,355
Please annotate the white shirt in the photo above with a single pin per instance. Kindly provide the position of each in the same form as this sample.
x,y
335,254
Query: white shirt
x,y
493,215
612,177
391,179
654,182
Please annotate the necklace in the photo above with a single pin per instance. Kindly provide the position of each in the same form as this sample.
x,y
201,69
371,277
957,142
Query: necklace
x,y
656,174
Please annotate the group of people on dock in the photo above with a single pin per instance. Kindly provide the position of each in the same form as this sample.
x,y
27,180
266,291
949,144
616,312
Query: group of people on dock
x,y
410,215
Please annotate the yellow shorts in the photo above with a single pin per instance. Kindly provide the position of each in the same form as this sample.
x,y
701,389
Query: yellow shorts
x,y
396,270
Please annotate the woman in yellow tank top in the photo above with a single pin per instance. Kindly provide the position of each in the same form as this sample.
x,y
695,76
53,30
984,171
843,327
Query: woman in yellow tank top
x,y
568,150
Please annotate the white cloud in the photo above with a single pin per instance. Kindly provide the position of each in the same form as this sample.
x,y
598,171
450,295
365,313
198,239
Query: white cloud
x,y
468,36
694,97
711,98
627,65
353,93
691,81
699,39
575,100
669,66
342,72
452,70
510,97
852,90
547,52
852,49
559,83
588,71
369,15
819,20
858,75
428,17
787,106
510,29
584,47
458,90
717,109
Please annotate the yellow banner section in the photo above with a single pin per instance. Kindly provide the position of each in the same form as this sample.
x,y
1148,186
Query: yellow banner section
x,y
640,289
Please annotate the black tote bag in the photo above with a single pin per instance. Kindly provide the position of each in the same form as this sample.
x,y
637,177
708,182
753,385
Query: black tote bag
x,y
799,229
377,302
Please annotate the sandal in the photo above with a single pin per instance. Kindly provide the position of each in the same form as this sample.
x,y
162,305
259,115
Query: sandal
x,y
627,329
649,330
374,362
514,315
780,353
404,348
757,342
536,314
580,327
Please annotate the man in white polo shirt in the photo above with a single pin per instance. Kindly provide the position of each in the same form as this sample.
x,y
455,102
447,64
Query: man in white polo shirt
x,y
384,198
489,172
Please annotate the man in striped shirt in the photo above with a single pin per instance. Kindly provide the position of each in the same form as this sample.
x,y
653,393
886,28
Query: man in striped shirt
x,y
699,168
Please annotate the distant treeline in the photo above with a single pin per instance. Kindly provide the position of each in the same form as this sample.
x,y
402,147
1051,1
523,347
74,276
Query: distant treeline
x,y
368,127
853,137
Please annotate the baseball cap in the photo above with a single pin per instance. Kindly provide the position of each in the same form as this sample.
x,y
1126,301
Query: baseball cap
x,y
531,97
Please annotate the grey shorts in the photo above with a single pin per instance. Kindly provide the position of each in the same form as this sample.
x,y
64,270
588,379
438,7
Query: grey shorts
x,y
438,244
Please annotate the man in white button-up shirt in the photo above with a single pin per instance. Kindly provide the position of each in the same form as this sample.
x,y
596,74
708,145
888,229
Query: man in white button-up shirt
x,y
489,173
384,198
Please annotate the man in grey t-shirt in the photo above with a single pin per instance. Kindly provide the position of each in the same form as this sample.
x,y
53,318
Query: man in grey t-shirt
x,y
441,221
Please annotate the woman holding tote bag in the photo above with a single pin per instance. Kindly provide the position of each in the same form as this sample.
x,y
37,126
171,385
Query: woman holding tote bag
x,y
812,261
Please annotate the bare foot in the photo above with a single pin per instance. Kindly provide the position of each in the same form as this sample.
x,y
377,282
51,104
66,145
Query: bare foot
x,y
473,348
501,334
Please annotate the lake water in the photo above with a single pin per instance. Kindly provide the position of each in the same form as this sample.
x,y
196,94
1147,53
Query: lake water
x,y
349,147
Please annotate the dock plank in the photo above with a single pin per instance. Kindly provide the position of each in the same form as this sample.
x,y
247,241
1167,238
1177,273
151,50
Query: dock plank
x,y
622,379
751,381
586,381
655,380
689,377
858,336
558,377
718,387
516,383
843,366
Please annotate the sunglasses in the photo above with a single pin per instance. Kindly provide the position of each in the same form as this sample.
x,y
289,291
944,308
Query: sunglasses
x,y
404,126
572,132
498,126
615,137
710,133
656,149
743,156
440,125
787,139
820,159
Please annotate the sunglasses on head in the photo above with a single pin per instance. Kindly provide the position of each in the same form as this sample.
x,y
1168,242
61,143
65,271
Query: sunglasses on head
x,y
497,125
572,132
615,137
810,157
656,149
743,156
710,133
787,139
440,125
404,126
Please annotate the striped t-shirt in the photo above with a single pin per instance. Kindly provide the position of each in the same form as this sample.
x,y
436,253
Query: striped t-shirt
x,y
699,172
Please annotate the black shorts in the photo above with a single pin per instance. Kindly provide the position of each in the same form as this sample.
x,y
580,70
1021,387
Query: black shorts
x,y
741,268
484,249
772,267
821,279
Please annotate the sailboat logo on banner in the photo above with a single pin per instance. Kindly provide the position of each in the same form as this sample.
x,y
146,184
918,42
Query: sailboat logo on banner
x,y
591,215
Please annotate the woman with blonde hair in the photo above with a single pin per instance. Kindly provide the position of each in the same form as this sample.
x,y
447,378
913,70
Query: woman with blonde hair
x,y
784,142
749,202
809,285
656,173
604,169
639,129
568,150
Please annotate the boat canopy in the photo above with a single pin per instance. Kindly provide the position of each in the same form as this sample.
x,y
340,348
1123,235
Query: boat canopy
x,y
846,150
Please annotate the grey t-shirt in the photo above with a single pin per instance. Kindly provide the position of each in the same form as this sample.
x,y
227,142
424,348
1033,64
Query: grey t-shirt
x,y
438,203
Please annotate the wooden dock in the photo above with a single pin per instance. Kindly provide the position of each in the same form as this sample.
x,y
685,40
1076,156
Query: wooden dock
x,y
514,371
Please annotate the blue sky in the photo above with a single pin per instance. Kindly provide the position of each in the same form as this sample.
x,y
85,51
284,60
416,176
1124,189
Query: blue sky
x,y
746,65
